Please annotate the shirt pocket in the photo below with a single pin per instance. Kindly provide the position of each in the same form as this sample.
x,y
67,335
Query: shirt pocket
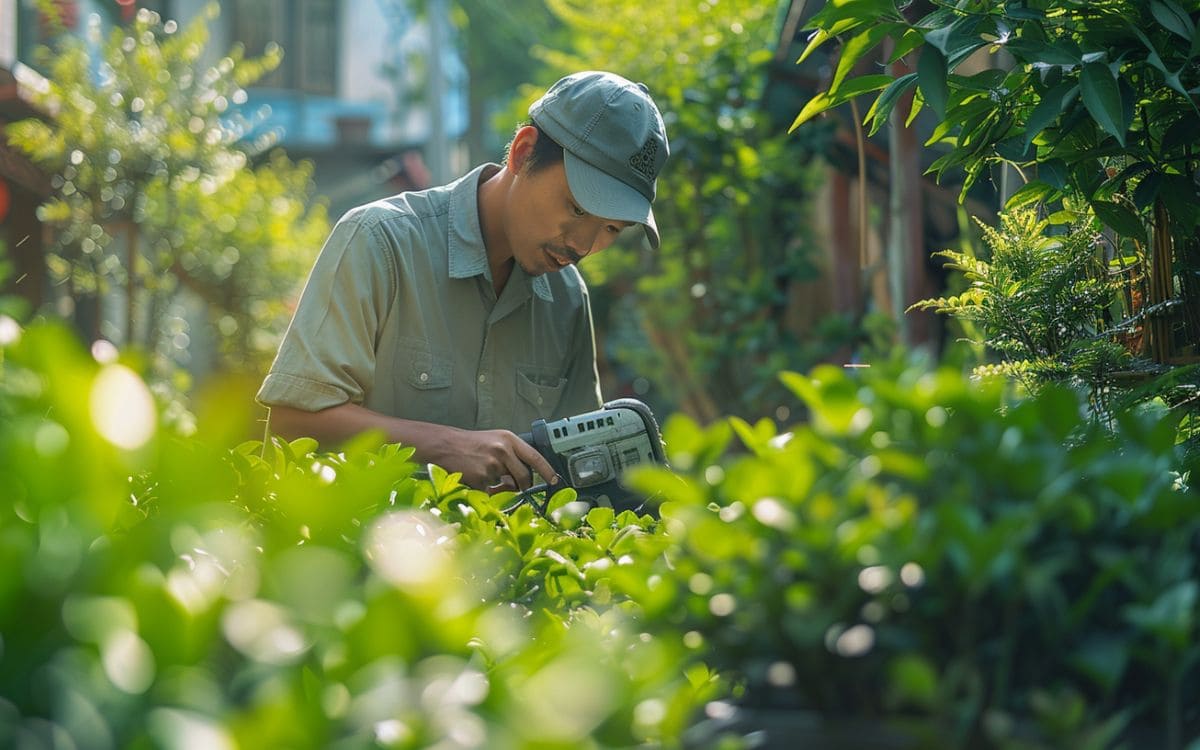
x,y
541,391
428,375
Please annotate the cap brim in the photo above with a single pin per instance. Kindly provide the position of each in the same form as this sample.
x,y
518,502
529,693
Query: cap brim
x,y
601,194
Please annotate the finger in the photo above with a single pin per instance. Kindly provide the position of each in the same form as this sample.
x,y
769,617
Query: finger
x,y
530,456
506,484
518,471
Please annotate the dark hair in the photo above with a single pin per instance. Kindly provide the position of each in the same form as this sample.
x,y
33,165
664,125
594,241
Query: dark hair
x,y
546,151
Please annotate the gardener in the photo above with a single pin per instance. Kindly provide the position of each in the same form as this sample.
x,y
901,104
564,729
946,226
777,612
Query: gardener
x,y
453,317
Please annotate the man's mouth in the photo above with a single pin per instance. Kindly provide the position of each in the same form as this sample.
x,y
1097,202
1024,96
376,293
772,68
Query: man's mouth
x,y
557,261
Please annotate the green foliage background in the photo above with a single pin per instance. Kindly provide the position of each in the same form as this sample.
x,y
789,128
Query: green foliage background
x,y
1093,106
155,194
703,319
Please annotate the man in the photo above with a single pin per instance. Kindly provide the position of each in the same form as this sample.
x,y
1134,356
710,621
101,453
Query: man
x,y
453,317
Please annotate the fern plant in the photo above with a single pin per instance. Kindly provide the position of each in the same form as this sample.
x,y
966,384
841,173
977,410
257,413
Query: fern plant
x,y
1039,302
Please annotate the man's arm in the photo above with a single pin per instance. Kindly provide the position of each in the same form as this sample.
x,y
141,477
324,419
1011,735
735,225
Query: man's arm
x,y
485,457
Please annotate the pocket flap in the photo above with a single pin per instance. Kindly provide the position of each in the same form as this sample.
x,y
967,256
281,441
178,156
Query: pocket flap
x,y
544,392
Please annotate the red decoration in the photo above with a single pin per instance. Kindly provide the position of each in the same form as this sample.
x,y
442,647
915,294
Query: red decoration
x,y
4,200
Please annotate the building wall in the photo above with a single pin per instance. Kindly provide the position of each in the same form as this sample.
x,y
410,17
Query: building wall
x,y
8,33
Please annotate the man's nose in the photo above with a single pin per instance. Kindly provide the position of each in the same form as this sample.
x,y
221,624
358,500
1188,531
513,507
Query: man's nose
x,y
586,241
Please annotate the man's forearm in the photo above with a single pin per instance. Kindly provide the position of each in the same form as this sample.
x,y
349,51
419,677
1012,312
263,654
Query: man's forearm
x,y
484,457
337,424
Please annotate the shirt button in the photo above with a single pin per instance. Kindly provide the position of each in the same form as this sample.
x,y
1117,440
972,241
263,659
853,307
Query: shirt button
x,y
424,377
483,378
540,400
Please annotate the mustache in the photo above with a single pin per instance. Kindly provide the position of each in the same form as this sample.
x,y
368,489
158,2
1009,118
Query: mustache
x,y
563,252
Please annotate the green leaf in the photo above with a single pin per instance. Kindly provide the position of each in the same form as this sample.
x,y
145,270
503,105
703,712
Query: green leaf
x,y
302,446
1103,659
939,38
1178,194
815,106
1171,616
1044,54
909,41
666,486
1170,77
1102,97
862,85
1015,149
1019,10
1147,190
1031,192
1053,103
824,101
957,39
885,102
1120,217
853,51
931,72
819,37
918,103
840,16
437,475
1173,18
1053,172
600,518
912,681
940,131
756,437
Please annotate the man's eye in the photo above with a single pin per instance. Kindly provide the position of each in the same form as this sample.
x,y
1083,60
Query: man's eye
x,y
577,210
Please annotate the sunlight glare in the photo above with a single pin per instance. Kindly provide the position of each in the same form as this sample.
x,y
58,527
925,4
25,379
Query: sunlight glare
x,y
122,408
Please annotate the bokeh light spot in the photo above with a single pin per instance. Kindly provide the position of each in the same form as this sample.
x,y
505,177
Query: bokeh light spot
x,y
261,631
10,331
128,662
173,729
404,549
122,408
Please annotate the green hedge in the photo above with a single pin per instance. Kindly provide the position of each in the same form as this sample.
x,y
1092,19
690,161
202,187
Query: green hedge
x,y
952,568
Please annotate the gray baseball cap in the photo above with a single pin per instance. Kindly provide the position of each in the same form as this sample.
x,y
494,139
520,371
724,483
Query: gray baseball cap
x,y
614,144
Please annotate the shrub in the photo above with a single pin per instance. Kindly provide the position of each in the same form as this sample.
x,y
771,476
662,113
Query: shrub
x,y
957,569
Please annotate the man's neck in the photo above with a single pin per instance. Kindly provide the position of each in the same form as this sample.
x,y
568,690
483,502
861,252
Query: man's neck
x,y
492,190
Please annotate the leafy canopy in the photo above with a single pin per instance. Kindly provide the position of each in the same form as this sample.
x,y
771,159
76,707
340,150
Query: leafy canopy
x,y
155,190
1095,100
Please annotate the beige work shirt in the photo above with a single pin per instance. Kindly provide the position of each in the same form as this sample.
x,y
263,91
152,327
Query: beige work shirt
x,y
399,314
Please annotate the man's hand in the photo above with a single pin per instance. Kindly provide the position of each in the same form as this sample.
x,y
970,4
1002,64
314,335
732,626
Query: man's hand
x,y
493,460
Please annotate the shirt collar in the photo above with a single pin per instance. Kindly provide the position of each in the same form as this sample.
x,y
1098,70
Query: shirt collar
x,y
468,256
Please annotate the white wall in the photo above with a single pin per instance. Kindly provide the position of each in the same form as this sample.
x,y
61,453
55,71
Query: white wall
x,y
373,35
8,33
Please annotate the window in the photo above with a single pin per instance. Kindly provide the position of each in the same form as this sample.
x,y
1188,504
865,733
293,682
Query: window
x,y
307,32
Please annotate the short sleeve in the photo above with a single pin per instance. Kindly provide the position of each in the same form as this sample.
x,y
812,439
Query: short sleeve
x,y
327,356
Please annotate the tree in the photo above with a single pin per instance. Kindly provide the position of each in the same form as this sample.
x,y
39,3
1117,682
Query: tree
x,y
495,39
1093,104
703,318
156,192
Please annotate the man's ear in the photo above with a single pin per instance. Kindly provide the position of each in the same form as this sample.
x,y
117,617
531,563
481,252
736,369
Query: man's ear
x,y
521,147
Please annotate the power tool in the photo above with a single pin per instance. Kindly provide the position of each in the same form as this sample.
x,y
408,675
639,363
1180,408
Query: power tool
x,y
591,452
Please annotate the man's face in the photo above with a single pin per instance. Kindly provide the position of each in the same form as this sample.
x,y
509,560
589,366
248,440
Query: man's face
x,y
547,228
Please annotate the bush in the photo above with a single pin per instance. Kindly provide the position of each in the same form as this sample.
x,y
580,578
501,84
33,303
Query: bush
x,y
1013,574
957,570
219,598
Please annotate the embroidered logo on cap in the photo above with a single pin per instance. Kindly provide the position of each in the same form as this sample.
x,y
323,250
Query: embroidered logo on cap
x,y
643,160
